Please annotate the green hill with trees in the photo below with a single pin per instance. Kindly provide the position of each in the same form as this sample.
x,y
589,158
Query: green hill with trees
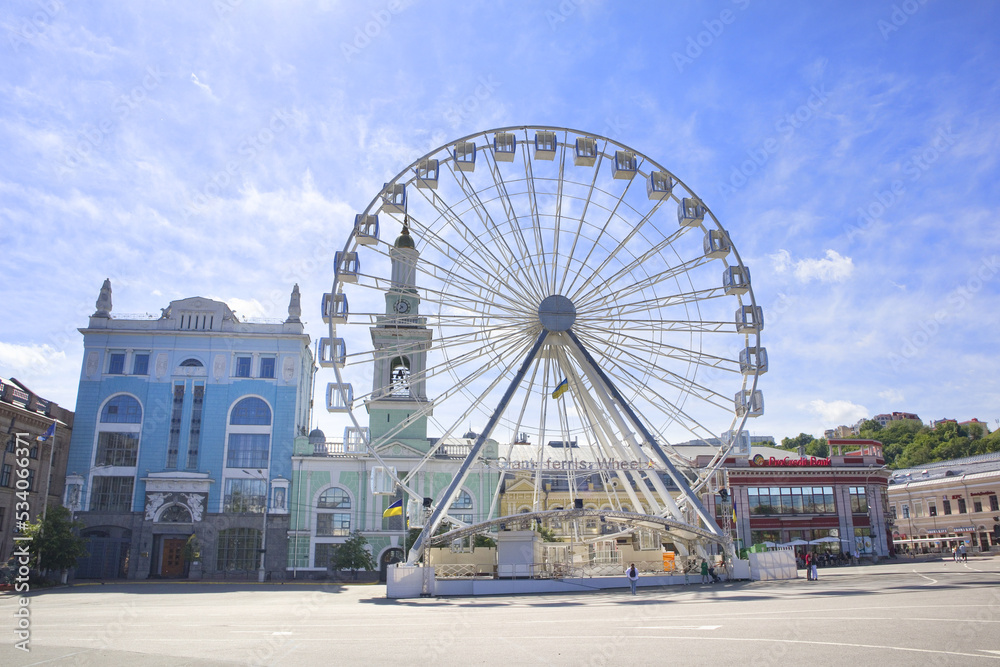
x,y
908,443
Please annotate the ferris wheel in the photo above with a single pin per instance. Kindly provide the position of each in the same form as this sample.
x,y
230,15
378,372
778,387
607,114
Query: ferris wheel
x,y
543,287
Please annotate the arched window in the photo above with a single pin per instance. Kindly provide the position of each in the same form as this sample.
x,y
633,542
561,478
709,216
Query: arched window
x,y
462,502
333,523
399,376
122,409
335,498
191,363
248,446
251,411
118,436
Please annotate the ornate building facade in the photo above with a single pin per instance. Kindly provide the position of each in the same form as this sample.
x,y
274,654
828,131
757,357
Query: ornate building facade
x,y
181,455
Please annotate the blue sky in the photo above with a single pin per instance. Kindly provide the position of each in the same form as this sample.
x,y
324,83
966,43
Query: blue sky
x,y
222,149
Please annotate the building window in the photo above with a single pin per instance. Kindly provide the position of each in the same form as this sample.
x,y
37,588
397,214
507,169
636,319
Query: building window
x,y
961,505
247,450
238,549
121,409
333,524
462,502
267,367
192,363
33,452
892,510
906,511
791,500
931,509
116,363
245,495
399,377
175,426
5,474
977,505
994,505
859,500
140,363
324,554
946,506
117,449
31,479
243,367
112,494
194,441
2,509
334,499
251,412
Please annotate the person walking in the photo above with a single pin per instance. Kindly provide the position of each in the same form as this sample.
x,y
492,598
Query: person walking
x,y
809,572
704,572
633,577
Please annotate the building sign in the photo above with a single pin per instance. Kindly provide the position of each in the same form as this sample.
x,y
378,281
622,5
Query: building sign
x,y
759,461
984,493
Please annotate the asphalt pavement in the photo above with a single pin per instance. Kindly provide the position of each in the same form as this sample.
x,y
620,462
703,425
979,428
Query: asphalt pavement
x,y
912,612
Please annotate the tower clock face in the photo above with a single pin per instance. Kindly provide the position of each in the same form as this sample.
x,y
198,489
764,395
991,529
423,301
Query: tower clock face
x,y
402,306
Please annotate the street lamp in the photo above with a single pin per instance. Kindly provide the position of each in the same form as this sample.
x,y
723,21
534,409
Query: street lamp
x,y
261,572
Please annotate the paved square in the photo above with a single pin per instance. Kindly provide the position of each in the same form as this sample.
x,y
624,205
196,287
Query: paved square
x,y
904,612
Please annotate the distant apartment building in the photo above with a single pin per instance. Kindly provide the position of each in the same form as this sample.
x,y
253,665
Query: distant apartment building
x,y
885,419
26,417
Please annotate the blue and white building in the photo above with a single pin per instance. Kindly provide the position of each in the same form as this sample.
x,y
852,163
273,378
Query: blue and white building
x,y
181,451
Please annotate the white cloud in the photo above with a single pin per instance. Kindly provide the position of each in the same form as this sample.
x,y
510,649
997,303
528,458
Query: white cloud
x,y
203,86
834,269
22,358
892,396
835,413
245,308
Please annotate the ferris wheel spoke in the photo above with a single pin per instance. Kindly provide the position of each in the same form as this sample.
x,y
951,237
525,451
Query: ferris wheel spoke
x,y
567,269
632,363
458,257
601,234
643,284
675,352
532,278
640,260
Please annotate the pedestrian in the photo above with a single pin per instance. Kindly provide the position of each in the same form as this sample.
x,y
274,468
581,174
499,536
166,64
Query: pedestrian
x,y
704,572
809,572
962,553
954,554
815,570
633,577
711,573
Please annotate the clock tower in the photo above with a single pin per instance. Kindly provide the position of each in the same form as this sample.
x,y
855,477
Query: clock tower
x,y
401,340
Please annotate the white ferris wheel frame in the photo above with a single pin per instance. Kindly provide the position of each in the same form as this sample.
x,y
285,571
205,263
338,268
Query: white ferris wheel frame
x,y
605,399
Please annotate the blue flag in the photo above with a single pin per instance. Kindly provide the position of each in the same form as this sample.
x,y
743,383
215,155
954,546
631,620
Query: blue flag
x,y
49,432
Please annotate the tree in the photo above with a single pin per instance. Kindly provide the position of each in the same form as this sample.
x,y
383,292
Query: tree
x,y
352,555
53,540
547,534
818,448
483,541
801,440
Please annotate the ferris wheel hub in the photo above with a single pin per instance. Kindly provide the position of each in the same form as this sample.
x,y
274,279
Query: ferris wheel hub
x,y
556,313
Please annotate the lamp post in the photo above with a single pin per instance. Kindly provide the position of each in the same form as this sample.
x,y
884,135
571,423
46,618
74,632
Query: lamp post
x,y
871,519
261,571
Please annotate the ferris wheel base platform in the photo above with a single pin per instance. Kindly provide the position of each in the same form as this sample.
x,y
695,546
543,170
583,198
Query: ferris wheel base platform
x,y
414,581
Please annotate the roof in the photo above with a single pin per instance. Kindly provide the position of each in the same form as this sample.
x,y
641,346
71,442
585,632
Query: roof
x,y
969,465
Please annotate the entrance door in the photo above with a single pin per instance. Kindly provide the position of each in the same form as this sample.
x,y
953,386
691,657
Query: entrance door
x,y
388,558
172,563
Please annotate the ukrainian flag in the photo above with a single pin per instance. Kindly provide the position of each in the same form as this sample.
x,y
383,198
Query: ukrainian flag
x,y
395,509
561,388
